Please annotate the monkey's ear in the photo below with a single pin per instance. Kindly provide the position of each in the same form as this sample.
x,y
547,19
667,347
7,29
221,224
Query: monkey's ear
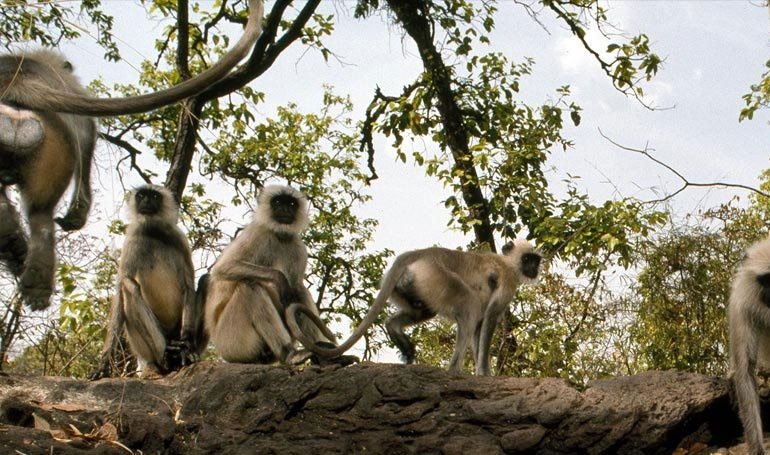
x,y
508,247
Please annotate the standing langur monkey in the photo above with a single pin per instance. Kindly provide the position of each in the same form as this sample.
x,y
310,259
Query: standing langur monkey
x,y
155,293
471,289
256,276
43,145
748,314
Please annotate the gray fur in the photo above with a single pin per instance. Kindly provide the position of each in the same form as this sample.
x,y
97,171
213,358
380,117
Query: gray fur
x,y
44,97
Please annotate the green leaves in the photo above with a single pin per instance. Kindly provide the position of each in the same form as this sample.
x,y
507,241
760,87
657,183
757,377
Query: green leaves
x,y
757,98
49,23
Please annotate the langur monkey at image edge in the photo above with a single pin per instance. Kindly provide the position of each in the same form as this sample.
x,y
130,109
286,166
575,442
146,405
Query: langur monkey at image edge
x,y
257,275
155,296
471,289
748,314
43,145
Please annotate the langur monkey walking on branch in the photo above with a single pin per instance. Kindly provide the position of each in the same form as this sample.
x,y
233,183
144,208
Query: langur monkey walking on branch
x,y
155,294
471,289
256,277
47,139
748,314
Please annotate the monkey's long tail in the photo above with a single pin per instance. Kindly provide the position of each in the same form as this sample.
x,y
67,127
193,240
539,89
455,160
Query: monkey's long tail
x,y
43,97
386,289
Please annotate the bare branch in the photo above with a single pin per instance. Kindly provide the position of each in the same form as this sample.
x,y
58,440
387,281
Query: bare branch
x,y
133,152
686,183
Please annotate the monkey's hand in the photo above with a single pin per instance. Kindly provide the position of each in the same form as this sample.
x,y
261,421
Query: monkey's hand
x,y
280,282
104,371
179,353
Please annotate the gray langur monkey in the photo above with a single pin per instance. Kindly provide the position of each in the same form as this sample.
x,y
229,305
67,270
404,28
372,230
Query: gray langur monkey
x,y
471,289
43,145
748,314
155,296
257,275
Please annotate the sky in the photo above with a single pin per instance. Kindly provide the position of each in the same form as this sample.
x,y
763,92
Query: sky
x,y
713,51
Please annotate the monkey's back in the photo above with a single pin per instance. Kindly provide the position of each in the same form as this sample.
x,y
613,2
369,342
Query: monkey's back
x,y
438,275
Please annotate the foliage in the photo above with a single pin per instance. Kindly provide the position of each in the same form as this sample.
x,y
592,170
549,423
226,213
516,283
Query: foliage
x,y
758,97
68,345
48,23
683,288
509,143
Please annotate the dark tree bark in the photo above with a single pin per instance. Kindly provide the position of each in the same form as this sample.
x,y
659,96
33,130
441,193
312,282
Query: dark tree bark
x,y
184,146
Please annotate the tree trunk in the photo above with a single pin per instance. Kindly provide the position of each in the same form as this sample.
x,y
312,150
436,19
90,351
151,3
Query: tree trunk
x,y
417,24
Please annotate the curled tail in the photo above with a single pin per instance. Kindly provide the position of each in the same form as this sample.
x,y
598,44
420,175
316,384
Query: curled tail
x,y
386,289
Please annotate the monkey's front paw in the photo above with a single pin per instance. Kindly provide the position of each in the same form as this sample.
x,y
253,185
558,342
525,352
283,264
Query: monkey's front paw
x,y
104,371
343,360
178,354
297,356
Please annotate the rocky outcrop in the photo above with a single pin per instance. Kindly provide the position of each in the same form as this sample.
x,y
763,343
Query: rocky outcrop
x,y
218,408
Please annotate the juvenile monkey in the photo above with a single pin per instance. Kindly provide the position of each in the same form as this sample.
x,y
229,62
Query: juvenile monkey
x,y
748,314
471,289
155,295
255,277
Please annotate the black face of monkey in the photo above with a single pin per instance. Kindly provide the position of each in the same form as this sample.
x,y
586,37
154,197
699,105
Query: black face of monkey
x,y
148,202
530,263
284,208
764,288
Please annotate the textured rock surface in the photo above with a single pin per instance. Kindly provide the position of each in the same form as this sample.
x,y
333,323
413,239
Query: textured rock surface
x,y
216,408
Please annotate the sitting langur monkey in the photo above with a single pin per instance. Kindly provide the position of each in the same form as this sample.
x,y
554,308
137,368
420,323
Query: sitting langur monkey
x,y
155,294
472,289
43,145
748,314
256,276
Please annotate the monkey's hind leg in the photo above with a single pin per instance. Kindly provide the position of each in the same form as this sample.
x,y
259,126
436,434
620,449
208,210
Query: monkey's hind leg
x,y
36,282
143,330
250,329
396,324
80,205
13,243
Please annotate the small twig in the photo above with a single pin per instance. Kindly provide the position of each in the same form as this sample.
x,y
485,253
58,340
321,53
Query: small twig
x,y
133,152
687,183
